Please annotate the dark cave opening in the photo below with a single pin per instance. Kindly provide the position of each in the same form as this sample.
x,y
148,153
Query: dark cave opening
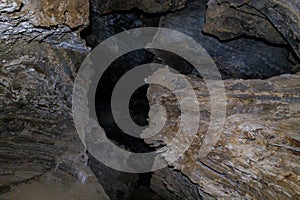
x,y
138,108
138,103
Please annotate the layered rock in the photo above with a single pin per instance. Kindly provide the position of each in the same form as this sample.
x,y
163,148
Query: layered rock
x,y
257,154
39,147
276,21
172,184
40,152
41,155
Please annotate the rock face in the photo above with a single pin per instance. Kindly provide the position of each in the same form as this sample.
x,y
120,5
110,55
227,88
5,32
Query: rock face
x,y
39,145
172,184
73,13
41,156
241,58
257,154
50,21
148,6
276,21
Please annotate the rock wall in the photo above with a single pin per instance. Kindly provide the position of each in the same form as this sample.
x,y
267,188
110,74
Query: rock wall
x,y
38,138
240,58
41,156
257,154
172,184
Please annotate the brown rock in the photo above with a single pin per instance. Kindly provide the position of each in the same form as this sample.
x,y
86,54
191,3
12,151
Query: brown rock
x,y
73,13
257,154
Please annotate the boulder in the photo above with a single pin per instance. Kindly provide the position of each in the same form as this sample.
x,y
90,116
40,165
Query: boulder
x,y
276,21
240,58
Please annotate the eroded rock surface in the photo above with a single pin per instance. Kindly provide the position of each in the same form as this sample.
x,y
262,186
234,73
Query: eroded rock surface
x,y
277,21
172,184
73,13
58,22
39,146
257,154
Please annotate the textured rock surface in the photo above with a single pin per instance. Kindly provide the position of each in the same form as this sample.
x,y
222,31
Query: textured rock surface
x,y
103,26
73,13
55,21
40,152
148,6
241,58
172,184
106,26
274,20
257,155
39,148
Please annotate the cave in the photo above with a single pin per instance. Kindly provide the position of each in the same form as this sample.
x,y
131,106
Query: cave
x,y
246,139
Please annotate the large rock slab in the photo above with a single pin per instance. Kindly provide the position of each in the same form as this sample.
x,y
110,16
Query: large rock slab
x,y
276,21
257,154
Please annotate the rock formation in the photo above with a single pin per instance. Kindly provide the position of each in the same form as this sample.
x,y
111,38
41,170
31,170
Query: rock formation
x,y
40,152
57,22
38,138
41,49
276,21
257,154
240,58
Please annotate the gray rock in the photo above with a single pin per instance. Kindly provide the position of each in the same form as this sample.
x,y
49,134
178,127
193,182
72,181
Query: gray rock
x,y
274,21
240,58
57,22
41,155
